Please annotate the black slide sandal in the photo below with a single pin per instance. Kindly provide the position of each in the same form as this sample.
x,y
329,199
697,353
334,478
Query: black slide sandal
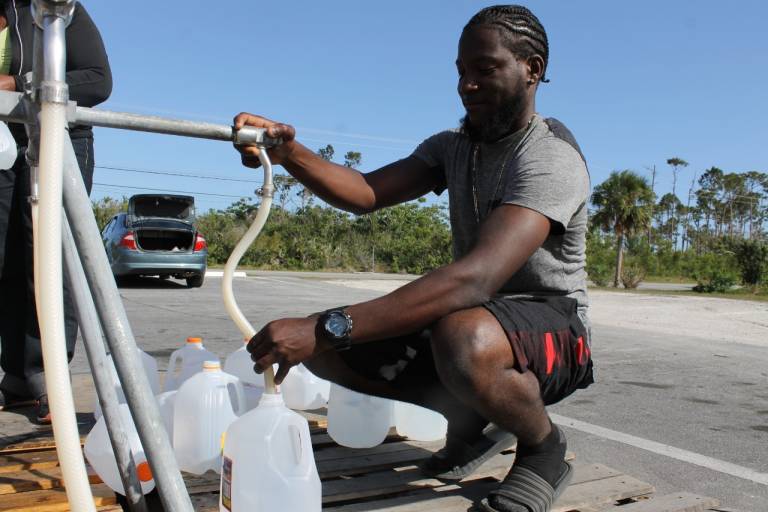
x,y
528,490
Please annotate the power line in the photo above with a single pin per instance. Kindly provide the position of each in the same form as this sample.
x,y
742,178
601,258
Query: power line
x,y
170,173
167,190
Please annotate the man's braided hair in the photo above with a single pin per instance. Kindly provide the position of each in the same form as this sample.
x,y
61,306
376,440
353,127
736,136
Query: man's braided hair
x,y
521,31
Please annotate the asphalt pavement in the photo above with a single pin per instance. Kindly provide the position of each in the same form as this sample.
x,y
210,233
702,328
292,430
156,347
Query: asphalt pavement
x,y
682,413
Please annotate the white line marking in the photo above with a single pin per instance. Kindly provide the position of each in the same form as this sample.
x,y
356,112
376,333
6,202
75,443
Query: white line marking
x,y
220,273
666,450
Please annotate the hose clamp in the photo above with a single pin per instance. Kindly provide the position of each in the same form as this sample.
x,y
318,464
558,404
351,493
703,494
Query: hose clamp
x,y
54,92
63,9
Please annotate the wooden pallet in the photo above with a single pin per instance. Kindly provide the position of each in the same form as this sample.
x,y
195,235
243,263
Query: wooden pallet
x,y
380,479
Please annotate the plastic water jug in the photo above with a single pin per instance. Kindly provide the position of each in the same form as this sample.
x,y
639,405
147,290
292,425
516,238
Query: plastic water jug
x,y
303,390
205,405
357,420
239,364
268,463
185,362
98,451
418,423
166,402
8,148
150,368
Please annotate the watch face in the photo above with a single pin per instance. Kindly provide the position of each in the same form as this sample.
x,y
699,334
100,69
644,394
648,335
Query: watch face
x,y
336,324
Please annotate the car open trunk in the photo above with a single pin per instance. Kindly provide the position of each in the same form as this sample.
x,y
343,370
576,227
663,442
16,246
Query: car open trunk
x,y
163,222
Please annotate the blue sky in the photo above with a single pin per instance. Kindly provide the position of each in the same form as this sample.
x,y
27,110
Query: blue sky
x,y
636,82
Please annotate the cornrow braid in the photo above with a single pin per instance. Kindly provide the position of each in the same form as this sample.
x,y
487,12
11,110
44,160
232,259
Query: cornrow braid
x,y
521,31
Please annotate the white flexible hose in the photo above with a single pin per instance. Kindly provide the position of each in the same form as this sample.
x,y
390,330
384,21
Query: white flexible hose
x,y
48,268
229,269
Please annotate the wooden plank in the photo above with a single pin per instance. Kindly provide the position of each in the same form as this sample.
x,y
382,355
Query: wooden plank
x,y
580,496
680,502
35,480
392,482
27,461
54,500
46,443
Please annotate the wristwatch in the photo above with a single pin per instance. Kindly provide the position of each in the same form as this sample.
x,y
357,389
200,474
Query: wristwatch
x,y
336,326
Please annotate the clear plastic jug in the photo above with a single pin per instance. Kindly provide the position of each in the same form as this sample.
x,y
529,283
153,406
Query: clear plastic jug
x,y
98,451
268,462
185,362
303,390
150,368
166,402
8,149
418,423
239,364
357,420
205,405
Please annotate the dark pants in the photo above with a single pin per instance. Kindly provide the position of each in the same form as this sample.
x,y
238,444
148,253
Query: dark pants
x,y
21,356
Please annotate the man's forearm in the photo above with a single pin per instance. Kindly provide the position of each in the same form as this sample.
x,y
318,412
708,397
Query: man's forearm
x,y
340,186
418,304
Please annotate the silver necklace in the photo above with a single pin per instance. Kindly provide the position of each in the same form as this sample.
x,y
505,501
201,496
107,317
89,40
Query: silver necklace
x,y
499,174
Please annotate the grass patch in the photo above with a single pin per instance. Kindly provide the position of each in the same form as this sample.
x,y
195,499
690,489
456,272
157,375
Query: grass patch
x,y
741,294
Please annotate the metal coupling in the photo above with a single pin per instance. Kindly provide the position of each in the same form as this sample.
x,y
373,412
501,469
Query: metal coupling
x,y
63,9
266,191
54,92
251,135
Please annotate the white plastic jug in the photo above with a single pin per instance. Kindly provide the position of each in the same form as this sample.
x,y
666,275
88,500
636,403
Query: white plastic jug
x,y
205,405
418,423
185,362
98,451
8,148
303,390
150,368
166,402
268,463
239,364
357,420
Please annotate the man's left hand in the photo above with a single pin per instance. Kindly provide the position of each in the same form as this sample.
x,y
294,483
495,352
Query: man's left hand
x,y
287,342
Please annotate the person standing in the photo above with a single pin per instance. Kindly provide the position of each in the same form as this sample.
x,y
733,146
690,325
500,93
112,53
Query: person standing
x,y
89,79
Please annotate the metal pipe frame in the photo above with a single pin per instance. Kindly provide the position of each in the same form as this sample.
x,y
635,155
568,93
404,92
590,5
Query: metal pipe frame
x,y
122,344
90,330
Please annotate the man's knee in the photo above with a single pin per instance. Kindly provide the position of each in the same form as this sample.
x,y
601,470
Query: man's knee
x,y
469,348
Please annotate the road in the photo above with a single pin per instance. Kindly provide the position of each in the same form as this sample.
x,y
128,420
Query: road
x,y
681,412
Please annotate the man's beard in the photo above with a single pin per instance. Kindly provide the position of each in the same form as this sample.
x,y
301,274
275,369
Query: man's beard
x,y
501,123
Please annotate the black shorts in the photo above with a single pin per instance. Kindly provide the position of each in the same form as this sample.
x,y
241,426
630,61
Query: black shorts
x,y
546,336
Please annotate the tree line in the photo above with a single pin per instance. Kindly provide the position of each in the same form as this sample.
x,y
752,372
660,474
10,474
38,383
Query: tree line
x,y
715,235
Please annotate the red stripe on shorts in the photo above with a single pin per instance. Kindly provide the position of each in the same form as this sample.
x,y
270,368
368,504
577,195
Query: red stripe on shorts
x,y
549,351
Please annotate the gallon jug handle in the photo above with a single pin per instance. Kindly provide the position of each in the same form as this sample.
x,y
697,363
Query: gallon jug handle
x,y
239,395
170,372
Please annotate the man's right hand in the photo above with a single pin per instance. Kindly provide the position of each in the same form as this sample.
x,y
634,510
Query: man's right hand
x,y
278,155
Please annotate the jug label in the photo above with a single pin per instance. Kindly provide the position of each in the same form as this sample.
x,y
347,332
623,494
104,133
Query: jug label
x,y
226,483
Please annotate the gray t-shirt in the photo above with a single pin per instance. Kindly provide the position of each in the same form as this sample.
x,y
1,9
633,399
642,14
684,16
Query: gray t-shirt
x,y
540,167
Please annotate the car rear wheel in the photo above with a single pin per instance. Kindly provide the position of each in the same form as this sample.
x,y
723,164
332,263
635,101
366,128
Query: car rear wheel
x,y
195,281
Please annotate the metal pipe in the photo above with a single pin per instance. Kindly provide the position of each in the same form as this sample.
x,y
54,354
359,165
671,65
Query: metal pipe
x,y
14,109
154,124
99,363
138,393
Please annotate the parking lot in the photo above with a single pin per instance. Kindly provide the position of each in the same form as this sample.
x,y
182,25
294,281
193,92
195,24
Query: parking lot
x,y
679,402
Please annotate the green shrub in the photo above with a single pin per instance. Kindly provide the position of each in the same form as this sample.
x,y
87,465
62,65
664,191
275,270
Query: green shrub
x,y
632,275
752,258
714,273
599,273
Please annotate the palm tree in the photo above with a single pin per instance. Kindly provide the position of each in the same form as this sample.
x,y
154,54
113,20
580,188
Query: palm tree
x,y
624,205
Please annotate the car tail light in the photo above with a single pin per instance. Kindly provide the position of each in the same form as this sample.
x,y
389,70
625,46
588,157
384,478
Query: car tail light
x,y
128,241
200,243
